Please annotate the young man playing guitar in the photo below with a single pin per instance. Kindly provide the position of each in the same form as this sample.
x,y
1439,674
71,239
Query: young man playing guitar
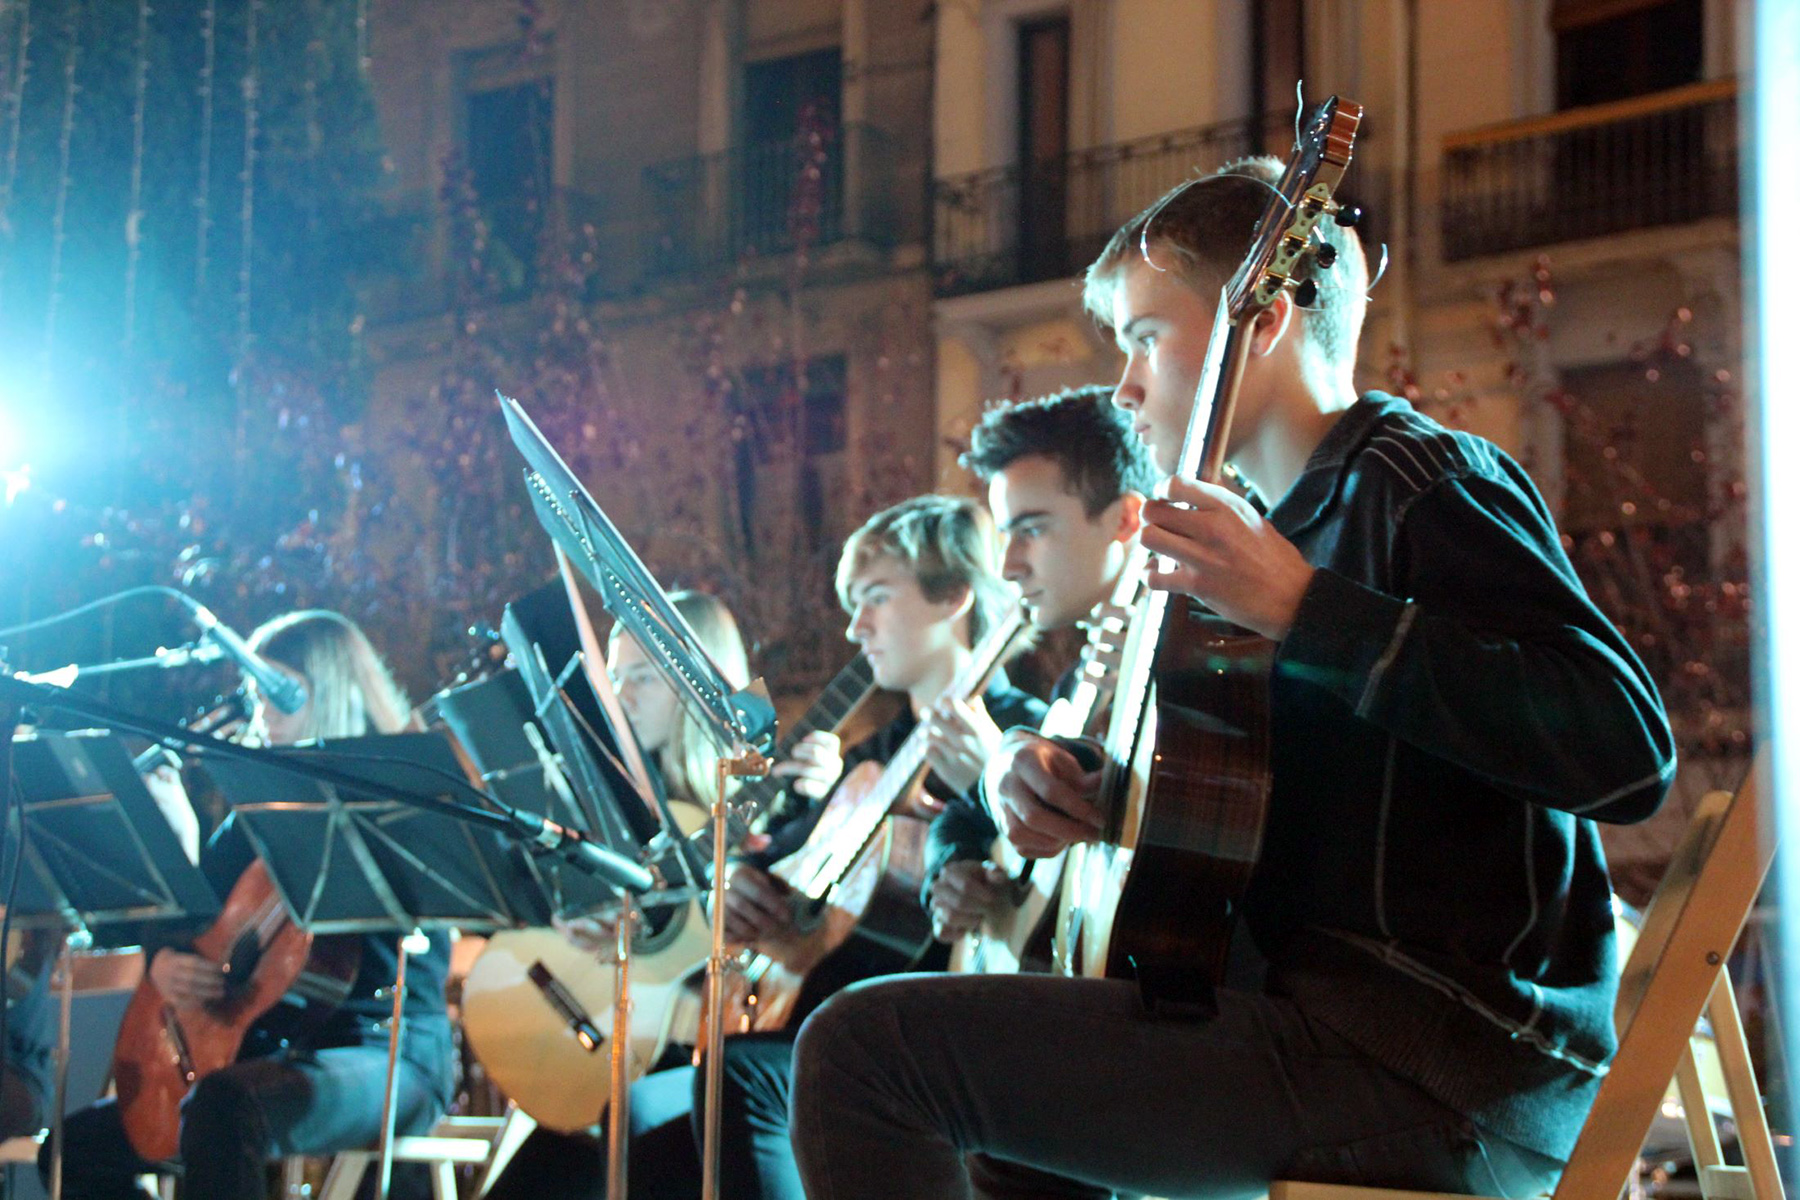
x,y
1066,479
920,585
1448,710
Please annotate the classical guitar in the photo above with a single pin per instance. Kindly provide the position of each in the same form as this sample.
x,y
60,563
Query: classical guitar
x,y
1185,774
161,1053
537,1010
856,873
1018,936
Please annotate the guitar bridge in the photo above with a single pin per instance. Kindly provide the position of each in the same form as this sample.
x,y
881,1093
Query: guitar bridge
x,y
177,1039
560,998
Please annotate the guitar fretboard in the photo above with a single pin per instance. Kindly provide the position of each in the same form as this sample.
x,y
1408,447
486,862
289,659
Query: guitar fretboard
x,y
850,840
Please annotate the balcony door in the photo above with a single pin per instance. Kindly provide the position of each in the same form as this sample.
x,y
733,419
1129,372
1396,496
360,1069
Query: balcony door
x,y
785,98
1044,147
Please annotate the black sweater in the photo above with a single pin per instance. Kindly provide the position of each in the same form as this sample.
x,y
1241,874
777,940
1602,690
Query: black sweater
x,y
1450,714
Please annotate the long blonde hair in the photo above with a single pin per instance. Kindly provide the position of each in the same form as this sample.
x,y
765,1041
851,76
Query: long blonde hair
x,y
689,759
349,689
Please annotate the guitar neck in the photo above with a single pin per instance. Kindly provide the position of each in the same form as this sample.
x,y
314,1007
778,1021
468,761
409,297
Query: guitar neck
x,y
1097,670
908,762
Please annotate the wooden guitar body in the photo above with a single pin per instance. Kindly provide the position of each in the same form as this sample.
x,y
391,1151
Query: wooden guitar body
x,y
526,995
876,900
1156,900
161,1053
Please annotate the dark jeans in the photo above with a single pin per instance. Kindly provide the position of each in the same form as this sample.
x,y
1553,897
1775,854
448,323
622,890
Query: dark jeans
x,y
897,1080
237,1118
23,1103
663,1163
756,1153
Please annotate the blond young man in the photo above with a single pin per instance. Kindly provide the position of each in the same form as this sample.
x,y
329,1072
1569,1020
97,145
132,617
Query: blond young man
x,y
921,587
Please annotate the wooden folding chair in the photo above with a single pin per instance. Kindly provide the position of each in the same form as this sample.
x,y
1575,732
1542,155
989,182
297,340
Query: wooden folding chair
x,y
1674,973
485,1143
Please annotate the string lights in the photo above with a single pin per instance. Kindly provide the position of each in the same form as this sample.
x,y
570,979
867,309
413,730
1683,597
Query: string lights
x,y
134,214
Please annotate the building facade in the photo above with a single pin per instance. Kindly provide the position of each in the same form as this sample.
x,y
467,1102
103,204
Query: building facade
x,y
699,226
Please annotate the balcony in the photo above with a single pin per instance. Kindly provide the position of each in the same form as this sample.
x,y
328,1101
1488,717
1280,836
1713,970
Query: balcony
x,y
1031,222
713,210
1651,161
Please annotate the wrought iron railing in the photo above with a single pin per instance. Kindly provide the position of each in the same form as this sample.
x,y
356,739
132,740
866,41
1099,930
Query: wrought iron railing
x,y
772,199
1034,221
1659,160
496,251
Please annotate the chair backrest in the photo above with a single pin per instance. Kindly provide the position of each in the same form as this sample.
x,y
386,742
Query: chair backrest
x,y
1689,928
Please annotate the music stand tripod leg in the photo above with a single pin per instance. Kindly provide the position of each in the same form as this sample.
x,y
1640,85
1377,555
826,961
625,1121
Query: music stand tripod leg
x,y
747,762
618,1107
390,1099
77,940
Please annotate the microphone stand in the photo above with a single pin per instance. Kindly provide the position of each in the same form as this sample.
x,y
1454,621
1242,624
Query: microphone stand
x,y
166,658
618,1106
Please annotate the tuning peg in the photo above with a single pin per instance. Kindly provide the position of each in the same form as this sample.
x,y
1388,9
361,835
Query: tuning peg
x,y
1306,294
1348,215
1327,254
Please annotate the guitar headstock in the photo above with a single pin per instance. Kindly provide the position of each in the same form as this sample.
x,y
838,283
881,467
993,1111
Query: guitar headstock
x,y
1286,247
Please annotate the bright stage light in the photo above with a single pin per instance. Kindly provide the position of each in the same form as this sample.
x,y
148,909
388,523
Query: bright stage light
x,y
12,438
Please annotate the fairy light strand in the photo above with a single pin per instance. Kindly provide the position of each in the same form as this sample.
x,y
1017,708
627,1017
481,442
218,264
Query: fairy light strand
x,y
209,30
247,203
15,101
58,223
134,214
15,104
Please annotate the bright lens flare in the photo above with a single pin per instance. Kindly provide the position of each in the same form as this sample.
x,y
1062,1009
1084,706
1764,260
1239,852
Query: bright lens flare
x,y
15,472
15,480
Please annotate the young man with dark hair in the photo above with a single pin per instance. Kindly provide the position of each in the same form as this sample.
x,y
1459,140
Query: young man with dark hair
x,y
1066,480
920,584
1449,713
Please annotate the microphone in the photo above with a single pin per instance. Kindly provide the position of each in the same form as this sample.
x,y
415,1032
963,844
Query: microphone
x,y
583,852
278,688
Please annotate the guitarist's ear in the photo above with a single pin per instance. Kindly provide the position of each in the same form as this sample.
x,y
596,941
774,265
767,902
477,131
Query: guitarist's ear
x,y
1271,325
1131,517
964,601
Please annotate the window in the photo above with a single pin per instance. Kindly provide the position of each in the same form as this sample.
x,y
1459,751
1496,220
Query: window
x,y
1044,146
784,98
1615,49
1278,59
1643,425
510,152
780,92
787,443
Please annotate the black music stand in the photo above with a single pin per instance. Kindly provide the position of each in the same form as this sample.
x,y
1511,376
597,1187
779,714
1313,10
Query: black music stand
x,y
740,723
347,861
493,721
358,863
100,862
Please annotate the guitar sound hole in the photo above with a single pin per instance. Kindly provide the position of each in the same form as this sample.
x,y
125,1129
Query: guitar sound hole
x,y
241,965
809,911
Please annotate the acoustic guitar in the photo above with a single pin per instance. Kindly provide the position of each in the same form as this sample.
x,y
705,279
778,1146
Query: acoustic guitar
x,y
161,1053
1185,773
1019,935
537,1011
857,871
